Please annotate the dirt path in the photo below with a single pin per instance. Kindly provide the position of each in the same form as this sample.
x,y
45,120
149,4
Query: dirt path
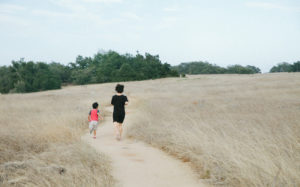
x,y
138,164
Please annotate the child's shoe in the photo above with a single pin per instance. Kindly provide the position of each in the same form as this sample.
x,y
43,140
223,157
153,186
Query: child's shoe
x,y
94,137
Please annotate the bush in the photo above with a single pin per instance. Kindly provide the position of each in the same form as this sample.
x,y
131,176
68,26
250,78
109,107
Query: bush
x,y
207,68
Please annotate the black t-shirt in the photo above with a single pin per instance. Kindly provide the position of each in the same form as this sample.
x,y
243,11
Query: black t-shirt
x,y
119,101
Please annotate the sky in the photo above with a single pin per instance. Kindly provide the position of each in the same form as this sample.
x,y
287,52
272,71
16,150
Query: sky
x,y
223,32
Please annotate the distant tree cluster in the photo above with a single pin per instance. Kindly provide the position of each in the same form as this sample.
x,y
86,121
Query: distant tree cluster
x,y
22,76
286,67
110,66
113,67
207,68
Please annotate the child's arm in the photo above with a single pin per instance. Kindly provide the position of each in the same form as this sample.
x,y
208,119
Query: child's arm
x,y
89,117
101,118
99,115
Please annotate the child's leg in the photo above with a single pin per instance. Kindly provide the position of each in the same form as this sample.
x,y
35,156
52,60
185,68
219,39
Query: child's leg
x,y
95,126
90,127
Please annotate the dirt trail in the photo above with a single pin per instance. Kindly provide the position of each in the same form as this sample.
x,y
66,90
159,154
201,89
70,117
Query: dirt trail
x,y
138,164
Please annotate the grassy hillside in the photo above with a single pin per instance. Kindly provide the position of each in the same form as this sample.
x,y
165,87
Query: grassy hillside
x,y
40,140
236,130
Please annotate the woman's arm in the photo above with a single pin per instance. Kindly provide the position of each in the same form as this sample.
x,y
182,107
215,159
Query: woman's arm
x,y
112,101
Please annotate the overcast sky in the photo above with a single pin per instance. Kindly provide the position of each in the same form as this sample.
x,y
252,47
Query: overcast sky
x,y
261,32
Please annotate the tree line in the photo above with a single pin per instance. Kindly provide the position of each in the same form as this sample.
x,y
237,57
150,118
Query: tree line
x,y
286,67
109,66
22,76
200,67
207,68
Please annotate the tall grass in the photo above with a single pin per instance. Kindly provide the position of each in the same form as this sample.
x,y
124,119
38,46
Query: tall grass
x,y
235,130
40,140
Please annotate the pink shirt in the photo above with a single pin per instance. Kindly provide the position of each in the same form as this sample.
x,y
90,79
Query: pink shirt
x,y
94,114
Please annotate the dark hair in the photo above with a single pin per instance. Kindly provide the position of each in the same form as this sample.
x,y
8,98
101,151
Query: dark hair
x,y
119,88
95,105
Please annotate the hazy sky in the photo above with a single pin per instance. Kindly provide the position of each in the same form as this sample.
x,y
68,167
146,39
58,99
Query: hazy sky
x,y
261,32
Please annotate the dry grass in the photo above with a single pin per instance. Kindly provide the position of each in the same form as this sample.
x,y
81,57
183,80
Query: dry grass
x,y
235,130
40,140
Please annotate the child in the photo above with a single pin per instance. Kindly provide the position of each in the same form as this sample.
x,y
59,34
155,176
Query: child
x,y
119,100
93,119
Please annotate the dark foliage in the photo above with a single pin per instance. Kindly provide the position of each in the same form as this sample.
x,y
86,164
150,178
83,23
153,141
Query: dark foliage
x,y
286,67
110,66
24,76
207,68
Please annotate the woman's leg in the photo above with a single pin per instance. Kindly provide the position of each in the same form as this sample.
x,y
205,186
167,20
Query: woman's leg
x,y
116,129
122,116
121,129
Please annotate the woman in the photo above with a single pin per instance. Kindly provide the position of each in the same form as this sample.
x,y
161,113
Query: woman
x,y
119,101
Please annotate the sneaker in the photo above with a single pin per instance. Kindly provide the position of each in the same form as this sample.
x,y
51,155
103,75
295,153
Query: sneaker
x,y
94,137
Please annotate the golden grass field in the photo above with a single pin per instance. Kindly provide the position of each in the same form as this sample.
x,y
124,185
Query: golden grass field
x,y
234,130
40,140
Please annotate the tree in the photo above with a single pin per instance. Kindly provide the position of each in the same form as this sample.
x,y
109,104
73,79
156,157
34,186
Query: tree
x,y
254,69
296,67
45,79
281,67
207,68
81,76
64,72
19,87
126,73
28,77
83,63
6,79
